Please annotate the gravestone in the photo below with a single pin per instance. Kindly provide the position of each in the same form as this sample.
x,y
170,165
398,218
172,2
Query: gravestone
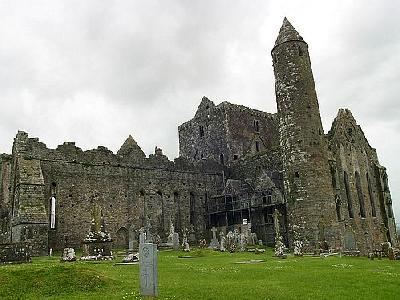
x,y
192,235
133,244
185,243
148,269
68,255
131,258
242,242
175,241
231,242
222,243
19,252
170,239
214,244
349,241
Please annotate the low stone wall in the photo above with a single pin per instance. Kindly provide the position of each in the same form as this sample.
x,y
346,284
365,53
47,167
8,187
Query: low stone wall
x,y
15,253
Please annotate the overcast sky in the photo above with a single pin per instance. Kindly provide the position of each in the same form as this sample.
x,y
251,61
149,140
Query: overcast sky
x,y
94,72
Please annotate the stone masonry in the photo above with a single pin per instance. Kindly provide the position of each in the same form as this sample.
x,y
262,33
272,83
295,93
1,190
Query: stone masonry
x,y
236,165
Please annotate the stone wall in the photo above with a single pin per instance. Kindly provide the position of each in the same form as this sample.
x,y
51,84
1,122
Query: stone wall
x,y
359,184
226,132
5,171
132,191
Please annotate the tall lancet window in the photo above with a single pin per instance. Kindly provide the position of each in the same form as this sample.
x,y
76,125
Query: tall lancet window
x,y
53,212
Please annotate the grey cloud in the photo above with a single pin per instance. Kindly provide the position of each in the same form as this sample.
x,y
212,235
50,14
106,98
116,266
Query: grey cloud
x,y
95,71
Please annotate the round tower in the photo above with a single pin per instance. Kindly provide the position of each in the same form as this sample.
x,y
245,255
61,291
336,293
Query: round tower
x,y
307,179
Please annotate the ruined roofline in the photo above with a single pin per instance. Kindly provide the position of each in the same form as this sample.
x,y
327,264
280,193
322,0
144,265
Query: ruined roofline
x,y
32,148
228,104
345,115
225,105
36,144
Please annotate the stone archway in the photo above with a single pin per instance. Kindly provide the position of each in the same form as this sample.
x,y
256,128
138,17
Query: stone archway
x,y
122,238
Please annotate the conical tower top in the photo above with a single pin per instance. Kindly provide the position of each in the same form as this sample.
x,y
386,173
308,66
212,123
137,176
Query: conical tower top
x,y
287,33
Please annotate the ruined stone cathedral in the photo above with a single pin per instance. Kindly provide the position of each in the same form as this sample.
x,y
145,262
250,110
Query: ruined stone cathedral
x,y
235,163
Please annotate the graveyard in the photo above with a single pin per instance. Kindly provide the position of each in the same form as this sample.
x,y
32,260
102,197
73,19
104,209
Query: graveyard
x,y
205,274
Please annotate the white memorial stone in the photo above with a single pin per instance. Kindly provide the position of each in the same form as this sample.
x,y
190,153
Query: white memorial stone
x,y
148,269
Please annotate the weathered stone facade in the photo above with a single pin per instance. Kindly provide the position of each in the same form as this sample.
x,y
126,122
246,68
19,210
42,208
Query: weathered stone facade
x,y
235,163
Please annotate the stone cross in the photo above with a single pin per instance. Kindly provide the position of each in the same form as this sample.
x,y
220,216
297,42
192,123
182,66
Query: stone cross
x,y
148,269
214,233
142,236
214,244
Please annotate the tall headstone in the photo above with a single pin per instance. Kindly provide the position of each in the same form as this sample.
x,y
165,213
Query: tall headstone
x,y
192,235
214,244
133,244
242,242
185,243
231,242
170,239
223,241
175,241
148,269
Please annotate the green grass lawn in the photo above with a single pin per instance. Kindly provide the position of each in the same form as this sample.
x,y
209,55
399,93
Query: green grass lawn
x,y
211,275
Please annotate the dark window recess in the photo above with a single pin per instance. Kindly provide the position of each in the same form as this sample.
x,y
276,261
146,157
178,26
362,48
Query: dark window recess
x,y
390,211
235,157
333,175
338,210
201,130
349,131
192,208
221,159
256,126
348,195
360,195
264,198
297,174
300,51
257,146
371,196
267,198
